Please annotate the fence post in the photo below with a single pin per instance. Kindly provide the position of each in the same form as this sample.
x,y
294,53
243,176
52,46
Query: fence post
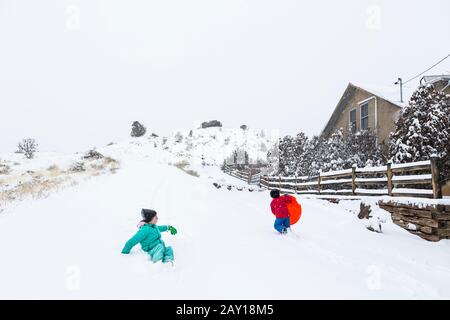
x,y
279,182
389,178
295,181
354,179
249,179
318,181
435,178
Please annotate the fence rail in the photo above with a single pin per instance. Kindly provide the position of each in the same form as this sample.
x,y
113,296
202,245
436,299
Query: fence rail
x,y
416,179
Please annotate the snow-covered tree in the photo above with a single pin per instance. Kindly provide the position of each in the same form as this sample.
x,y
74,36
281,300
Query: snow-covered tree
x,y
287,157
423,129
178,137
303,156
239,157
292,153
312,159
300,147
334,152
364,150
273,160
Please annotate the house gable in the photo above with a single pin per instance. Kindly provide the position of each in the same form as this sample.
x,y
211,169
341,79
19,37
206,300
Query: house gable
x,y
343,102
381,116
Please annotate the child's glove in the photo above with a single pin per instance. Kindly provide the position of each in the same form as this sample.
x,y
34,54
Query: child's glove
x,y
172,230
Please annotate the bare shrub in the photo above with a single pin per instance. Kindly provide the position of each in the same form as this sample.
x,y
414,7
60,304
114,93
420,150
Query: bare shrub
x,y
192,173
182,165
28,147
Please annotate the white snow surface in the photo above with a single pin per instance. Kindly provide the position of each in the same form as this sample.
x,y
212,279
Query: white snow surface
x,y
67,246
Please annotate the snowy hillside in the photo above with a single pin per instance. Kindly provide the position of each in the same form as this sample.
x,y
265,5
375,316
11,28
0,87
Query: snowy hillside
x,y
213,145
47,172
68,244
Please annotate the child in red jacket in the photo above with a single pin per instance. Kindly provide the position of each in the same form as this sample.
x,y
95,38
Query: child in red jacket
x,y
280,210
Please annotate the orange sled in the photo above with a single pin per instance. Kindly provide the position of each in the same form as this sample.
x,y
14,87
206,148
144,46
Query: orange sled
x,y
295,211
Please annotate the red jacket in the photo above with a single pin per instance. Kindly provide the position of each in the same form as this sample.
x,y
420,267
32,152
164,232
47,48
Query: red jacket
x,y
279,206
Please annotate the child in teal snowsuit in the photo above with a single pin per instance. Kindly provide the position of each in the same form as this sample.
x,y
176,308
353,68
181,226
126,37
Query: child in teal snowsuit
x,y
149,236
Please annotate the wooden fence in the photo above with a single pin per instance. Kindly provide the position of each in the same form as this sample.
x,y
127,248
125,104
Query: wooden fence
x,y
251,176
416,179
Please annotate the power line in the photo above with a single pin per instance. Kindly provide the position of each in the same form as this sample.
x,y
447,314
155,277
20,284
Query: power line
x,y
434,65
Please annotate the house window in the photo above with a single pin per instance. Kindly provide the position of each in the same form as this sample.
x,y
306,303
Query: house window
x,y
353,120
365,116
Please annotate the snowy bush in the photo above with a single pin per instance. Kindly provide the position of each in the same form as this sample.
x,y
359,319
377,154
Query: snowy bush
x,y
93,154
4,169
77,167
211,124
28,147
137,129
423,129
178,137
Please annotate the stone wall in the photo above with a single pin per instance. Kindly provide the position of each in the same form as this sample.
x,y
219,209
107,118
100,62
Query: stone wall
x,y
428,221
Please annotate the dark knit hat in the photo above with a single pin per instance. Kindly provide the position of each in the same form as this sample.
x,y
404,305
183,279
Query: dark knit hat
x,y
148,214
275,193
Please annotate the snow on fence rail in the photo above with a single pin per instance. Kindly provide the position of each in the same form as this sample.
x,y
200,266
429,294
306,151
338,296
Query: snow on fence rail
x,y
416,179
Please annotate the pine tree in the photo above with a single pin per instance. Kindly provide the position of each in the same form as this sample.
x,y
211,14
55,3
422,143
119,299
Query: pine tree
x,y
273,160
287,160
334,152
300,146
364,150
313,161
423,129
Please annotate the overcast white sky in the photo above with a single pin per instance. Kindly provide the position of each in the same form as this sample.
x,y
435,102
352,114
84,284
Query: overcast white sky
x,y
76,73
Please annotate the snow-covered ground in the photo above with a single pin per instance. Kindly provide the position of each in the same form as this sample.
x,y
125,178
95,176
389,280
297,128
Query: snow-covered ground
x,y
68,245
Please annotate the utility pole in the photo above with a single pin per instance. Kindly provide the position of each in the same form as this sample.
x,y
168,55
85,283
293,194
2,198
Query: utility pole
x,y
400,82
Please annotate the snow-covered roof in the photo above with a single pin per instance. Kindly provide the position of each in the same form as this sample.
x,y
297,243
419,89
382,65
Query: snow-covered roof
x,y
389,93
435,78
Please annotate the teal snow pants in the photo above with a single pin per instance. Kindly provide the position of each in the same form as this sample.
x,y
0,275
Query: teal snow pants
x,y
161,252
